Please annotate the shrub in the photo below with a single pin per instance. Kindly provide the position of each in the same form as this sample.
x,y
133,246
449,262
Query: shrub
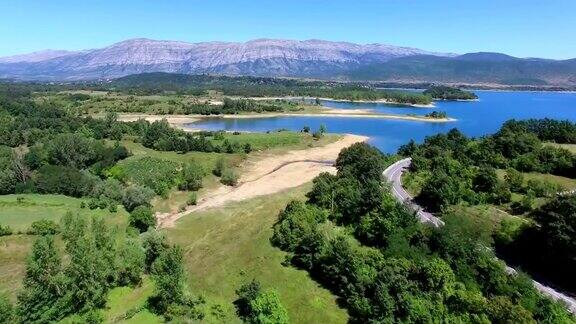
x,y
247,148
43,227
229,177
5,230
142,218
542,188
219,167
157,174
192,175
135,196
192,198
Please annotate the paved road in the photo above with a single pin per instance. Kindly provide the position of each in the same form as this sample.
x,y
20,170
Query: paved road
x,y
394,175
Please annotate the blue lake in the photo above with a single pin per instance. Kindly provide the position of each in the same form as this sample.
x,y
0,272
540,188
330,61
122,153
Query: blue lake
x,y
474,118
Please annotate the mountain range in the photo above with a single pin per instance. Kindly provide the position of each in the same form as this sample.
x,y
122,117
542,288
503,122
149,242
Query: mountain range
x,y
288,58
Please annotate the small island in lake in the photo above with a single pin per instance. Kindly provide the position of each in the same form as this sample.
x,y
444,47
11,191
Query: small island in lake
x,y
449,93
437,115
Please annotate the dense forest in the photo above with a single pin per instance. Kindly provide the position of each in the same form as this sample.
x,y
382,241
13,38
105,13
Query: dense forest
x,y
452,169
449,93
259,87
456,168
371,251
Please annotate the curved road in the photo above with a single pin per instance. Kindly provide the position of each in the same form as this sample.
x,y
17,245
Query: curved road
x,y
394,175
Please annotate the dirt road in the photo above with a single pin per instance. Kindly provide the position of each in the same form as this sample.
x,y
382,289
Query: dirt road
x,y
267,174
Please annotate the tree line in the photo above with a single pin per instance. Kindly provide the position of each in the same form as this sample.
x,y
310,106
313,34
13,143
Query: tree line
x,y
440,92
457,169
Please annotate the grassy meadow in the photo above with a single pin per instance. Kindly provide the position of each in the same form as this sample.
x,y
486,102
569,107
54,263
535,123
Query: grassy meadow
x,y
229,246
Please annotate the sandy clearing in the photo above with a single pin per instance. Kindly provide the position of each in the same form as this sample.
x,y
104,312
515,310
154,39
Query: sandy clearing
x,y
342,113
184,121
383,101
267,174
177,121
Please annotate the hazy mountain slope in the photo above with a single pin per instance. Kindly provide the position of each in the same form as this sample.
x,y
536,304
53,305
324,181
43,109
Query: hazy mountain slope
x,y
286,57
269,57
35,56
471,68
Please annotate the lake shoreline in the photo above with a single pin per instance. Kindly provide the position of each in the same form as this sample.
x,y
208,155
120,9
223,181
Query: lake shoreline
x,y
380,101
184,121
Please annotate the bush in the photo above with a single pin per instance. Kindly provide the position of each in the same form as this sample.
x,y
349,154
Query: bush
x,y
5,230
43,227
135,196
192,175
192,198
219,167
514,179
542,188
142,218
229,177
157,174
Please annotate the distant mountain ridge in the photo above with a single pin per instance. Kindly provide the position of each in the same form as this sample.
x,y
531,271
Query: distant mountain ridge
x,y
290,58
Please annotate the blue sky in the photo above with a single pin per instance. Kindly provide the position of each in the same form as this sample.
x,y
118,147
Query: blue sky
x,y
525,28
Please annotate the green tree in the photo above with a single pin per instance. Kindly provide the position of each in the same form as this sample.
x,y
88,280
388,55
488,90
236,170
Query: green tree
x,y
514,179
485,180
267,309
246,294
154,244
295,222
169,277
6,310
130,263
192,175
142,218
88,275
43,284
135,196
557,220
363,161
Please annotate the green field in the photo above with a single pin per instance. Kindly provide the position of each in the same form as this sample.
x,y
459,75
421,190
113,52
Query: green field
x,y
278,140
19,211
227,247
569,147
564,182
13,252
123,300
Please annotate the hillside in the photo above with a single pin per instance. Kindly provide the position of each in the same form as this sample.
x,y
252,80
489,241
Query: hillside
x,y
288,58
